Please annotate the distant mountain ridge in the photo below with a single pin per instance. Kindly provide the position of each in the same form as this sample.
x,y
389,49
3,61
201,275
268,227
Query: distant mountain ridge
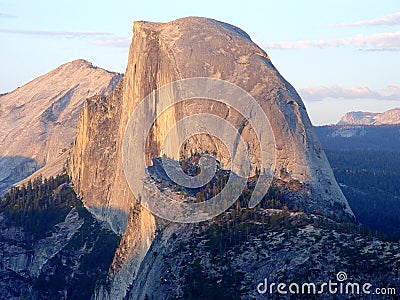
x,y
38,121
388,117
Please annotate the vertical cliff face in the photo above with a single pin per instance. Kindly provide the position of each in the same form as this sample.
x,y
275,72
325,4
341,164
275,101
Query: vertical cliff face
x,y
185,48
197,47
92,163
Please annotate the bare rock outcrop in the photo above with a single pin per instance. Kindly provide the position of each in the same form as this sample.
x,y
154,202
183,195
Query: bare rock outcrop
x,y
389,117
38,121
197,47
192,47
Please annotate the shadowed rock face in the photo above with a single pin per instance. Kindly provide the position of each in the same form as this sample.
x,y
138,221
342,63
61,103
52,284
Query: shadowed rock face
x,y
39,120
22,166
185,48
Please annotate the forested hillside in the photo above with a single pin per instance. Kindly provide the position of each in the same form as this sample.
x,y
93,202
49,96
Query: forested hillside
x,y
366,163
51,247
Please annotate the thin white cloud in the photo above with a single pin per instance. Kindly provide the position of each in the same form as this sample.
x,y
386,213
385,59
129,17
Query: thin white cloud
x,y
392,19
318,93
6,16
389,41
114,42
67,34
104,39
394,49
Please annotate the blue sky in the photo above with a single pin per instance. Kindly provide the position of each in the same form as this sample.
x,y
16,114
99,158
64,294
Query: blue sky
x,y
340,55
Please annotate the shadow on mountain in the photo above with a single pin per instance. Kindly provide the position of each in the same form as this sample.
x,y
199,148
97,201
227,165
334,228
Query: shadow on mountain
x,y
116,218
360,137
61,248
13,169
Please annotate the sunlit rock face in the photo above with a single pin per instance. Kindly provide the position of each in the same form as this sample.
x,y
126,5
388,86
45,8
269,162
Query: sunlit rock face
x,y
197,47
38,121
389,117
161,53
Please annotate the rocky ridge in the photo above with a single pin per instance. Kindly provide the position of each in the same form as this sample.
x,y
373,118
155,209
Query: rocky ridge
x,y
38,121
229,257
389,117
